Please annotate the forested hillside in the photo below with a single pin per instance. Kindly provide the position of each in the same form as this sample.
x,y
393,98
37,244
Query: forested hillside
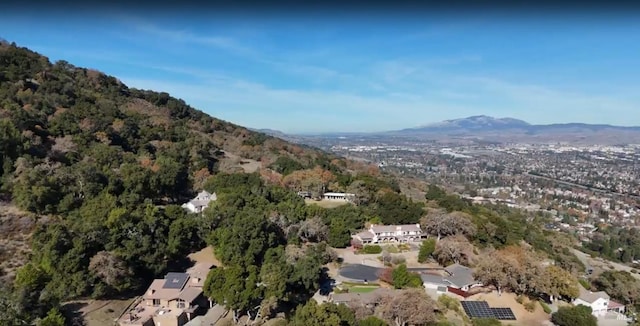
x,y
96,171
109,165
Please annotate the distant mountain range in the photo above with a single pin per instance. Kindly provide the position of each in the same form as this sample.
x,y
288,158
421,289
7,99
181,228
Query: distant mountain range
x,y
475,123
487,128
483,123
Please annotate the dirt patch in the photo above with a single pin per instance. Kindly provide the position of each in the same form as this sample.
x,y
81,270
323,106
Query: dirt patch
x,y
231,163
250,166
508,300
205,255
411,258
16,227
96,312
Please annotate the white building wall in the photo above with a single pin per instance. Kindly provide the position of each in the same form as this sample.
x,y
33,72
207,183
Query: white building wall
x,y
430,286
598,307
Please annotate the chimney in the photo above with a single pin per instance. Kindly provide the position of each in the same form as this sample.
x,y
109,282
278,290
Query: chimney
x,y
195,280
151,291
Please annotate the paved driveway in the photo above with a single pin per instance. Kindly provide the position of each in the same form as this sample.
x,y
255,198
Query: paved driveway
x,y
359,273
350,257
612,319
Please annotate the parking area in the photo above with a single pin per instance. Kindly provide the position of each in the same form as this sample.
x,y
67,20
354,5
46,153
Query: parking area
x,y
359,273
612,319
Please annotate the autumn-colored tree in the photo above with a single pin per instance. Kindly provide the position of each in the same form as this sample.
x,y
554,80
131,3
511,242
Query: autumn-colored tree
x,y
271,177
454,249
514,267
313,229
200,177
443,224
313,180
360,309
386,275
490,271
111,269
558,282
409,307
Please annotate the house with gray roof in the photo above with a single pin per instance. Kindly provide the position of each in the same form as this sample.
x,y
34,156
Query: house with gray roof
x,y
461,277
453,276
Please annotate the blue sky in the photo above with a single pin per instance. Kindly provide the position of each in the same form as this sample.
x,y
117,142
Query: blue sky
x,y
357,73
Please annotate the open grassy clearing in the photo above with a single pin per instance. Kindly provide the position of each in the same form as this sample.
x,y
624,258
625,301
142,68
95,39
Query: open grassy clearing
x,y
325,203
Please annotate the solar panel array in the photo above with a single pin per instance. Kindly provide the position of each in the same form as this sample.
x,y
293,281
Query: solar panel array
x,y
503,313
477,309
175,280
481,309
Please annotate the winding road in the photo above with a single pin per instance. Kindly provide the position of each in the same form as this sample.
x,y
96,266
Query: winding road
x,y
599,262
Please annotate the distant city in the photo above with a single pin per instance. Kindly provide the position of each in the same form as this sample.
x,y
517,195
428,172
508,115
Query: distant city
x,y
579,186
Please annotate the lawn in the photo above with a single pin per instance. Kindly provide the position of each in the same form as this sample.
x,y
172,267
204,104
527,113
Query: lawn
x,y
363,289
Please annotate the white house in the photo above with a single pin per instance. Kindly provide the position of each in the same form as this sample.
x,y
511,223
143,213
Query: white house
x,y
390,233
599,302
202,200
338,196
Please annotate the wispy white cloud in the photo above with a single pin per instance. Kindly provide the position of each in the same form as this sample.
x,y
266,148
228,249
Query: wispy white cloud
x,y
184,35
393,93
245,101
540,95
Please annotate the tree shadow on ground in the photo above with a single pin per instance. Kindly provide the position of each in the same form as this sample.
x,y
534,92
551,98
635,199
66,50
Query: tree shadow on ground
x,y
73,313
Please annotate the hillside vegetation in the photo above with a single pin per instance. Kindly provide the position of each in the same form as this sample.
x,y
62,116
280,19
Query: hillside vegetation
x,y
100,170
109,165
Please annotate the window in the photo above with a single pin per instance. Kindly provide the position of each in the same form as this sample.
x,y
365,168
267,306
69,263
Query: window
x,y
156,302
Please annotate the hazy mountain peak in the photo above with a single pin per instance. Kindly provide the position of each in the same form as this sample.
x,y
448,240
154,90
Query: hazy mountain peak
x,y
478,122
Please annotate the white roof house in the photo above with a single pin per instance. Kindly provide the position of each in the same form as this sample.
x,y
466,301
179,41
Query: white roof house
x,y
341,196
390,233
600,302
200,202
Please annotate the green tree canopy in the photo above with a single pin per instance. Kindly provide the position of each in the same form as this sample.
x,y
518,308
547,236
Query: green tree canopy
x,y
571,316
